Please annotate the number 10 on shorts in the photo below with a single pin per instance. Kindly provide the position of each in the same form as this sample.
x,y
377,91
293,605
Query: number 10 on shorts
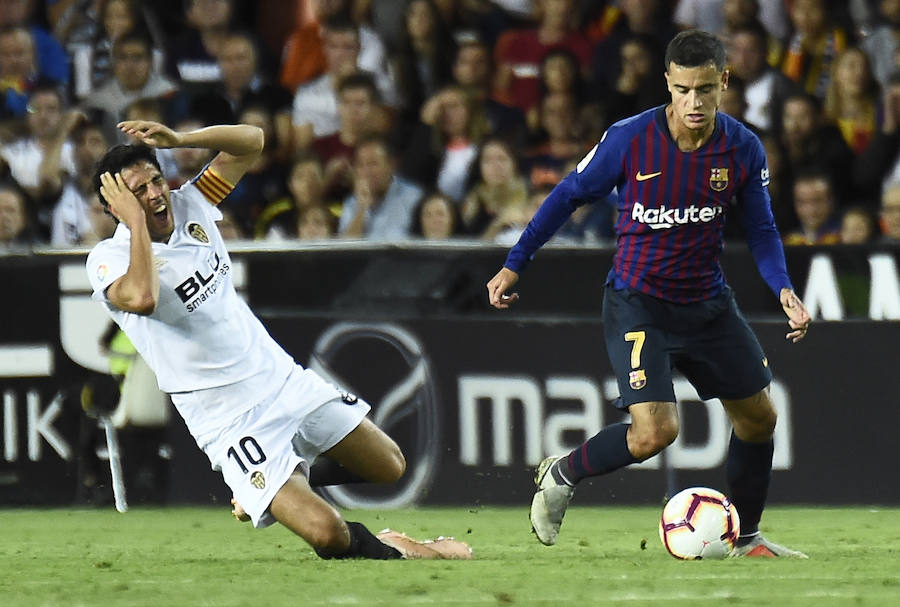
x,y
251,450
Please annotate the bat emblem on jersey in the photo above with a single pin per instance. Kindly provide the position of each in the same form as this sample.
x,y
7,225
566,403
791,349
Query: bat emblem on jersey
x,y
258,480
718,179
196,231
642,177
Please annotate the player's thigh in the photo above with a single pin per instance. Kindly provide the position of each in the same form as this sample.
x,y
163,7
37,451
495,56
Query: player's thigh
x,y
638,349
370,453
725,359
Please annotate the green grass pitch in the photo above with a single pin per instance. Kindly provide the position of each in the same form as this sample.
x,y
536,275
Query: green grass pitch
x,y
201,556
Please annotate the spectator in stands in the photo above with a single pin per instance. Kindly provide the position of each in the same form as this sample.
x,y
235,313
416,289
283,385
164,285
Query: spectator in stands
x,y
852,99
191,58
814,46
766,87
498,185
133,78
472,69
315,103
92,56
243,84
436,218
519,52
52,61
73,223
723,17
39,160
305,57
772,16
857,225
556,143
263,183
16,229
359,115
618,22
18,71
636,85
810,141
560,73
424,62
508,226
883,42
446,142
306,187
815,205
879,165
780,183
890,214
316,223
382,204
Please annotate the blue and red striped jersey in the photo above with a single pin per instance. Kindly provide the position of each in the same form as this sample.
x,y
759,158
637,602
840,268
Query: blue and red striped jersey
x,y
672,207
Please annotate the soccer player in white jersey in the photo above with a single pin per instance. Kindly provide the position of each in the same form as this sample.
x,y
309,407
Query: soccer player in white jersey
x,y
165,277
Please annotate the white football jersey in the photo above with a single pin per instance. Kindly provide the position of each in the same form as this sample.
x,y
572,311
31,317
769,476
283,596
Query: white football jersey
x,y
206,347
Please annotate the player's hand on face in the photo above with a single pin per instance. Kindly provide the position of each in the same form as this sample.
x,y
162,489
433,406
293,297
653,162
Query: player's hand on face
x,y
497,287
798,316
150,133
122,202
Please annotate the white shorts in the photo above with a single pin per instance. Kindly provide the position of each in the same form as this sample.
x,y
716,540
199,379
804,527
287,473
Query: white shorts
x,y
262,448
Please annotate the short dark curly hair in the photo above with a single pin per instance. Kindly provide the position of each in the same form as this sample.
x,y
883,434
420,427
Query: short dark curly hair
x,y
119,157
695,48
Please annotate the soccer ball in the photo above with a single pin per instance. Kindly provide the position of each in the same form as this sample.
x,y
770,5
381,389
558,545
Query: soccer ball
x,y
699,523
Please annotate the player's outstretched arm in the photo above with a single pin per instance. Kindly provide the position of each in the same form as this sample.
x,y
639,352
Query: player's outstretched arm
x,y
499,285
798,316
239,145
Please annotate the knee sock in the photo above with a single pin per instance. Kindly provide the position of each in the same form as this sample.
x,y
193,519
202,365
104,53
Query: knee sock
x,y
604,452
328,472
363,545
749,470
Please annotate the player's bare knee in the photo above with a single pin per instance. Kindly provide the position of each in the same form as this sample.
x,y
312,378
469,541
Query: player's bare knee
x,y
330,536
395,465
649,440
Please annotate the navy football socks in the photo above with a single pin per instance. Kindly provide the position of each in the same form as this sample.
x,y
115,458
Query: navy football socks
x,y
749,470
604,452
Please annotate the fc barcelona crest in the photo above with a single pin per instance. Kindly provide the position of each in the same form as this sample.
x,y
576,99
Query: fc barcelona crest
x,y
196,231
718,179
637,379
258,480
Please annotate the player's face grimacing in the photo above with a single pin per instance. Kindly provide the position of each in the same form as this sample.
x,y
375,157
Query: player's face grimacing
x,y
696,94
150,188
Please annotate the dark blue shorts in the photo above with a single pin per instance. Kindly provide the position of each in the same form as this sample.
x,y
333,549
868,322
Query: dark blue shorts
x,y
709,342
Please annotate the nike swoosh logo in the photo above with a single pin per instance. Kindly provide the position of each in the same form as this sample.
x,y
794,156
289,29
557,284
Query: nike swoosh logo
x,y
640,177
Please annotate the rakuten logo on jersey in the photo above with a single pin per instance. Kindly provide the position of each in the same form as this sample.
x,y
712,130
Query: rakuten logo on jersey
x,y
663,217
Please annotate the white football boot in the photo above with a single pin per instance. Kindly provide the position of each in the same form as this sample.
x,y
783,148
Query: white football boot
x,y
548,507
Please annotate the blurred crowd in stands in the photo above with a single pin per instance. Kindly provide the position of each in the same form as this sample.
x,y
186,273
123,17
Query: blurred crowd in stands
x,y
436,119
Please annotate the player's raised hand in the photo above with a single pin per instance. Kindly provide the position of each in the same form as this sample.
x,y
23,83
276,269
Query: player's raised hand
x,y
122,202
151,133
798,316
499,285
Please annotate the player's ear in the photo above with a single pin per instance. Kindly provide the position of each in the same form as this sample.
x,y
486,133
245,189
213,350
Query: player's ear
x,y
725,75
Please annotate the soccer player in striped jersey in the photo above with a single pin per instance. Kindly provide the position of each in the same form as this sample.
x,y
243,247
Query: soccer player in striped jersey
x,y
165,278
676,169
